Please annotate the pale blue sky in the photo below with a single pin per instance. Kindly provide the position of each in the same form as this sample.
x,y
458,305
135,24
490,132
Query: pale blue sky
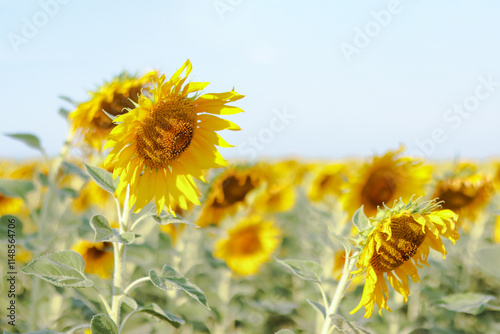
x,y
399,87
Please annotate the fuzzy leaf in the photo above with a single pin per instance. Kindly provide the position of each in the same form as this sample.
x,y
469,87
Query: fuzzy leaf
x,y
64,269
167,218
7,220
29,139
360,220
348,327
70,168
103,324
472,303
169,277
15,188
104,232
318,307
103,178
305,269
157,312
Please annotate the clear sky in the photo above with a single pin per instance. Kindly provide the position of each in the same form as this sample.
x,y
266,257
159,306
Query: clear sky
x,y
322,79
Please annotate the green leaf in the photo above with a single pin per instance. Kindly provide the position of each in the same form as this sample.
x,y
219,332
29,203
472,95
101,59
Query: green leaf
x,y
318,307
472,303
171,278
16,226
348,327
167,218
64,113
70,168
29,139
104,232
15,188
157,312
305,269
103,324
103,178
64,269
360,220
284,331
343,241
65,192
487,260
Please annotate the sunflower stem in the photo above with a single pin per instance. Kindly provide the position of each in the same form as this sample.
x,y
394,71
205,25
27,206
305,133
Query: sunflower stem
x,y
344,282
224,291
119,251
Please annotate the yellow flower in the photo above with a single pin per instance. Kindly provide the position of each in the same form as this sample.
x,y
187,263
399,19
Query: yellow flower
x,y
384,180
398,243
89,120
328,180
161,144
13,171
227,193
278,197
249,245
465,192
90,194
98,260
496,232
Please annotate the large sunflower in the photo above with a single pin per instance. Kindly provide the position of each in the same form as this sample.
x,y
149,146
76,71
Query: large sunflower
x,y
384,180
166,140
249,245
228,193
398,243
89,120
465,191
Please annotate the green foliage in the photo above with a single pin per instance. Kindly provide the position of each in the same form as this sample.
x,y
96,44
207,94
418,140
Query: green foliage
x,y
155,311
104,232
472,303
103,324
16,188
305,269
103,178
64,269
28,139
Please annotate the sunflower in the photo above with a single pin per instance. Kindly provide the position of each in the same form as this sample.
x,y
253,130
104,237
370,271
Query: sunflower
x,y
13,171
228,193
384,180
465,191
161,144
90,194
328,180
249,245
496,231
89,120
399,241
98,260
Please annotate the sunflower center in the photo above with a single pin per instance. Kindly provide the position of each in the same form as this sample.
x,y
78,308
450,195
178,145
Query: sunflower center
x,y
379,188
116,107
455,199
407,236
234,191
167,132
95,253
246,242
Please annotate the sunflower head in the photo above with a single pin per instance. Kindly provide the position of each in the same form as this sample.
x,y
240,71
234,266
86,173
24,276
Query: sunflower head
x,y
167,140
328,180
398,242
384,180
465,191
90,122
248,245
228,192
98,258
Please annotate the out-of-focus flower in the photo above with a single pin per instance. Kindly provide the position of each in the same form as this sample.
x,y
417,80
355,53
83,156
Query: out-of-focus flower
x,y
384,180
496,231
228,192
398,243
98,259
249,245
90,123
465,191
167,140
328,180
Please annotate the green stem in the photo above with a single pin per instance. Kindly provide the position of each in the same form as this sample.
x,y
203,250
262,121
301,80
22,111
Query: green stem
x,y
344,282
103,300
224,291
134,283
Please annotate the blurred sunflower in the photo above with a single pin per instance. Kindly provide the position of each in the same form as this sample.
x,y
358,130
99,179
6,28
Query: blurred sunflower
x,y
90,194
384,180
161,144
465,192
89,120
249,245
398,236
496,231
277,197
227,193
328,180
98,260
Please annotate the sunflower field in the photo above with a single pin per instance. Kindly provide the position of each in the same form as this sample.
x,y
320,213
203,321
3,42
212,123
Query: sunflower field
x,y
141,226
